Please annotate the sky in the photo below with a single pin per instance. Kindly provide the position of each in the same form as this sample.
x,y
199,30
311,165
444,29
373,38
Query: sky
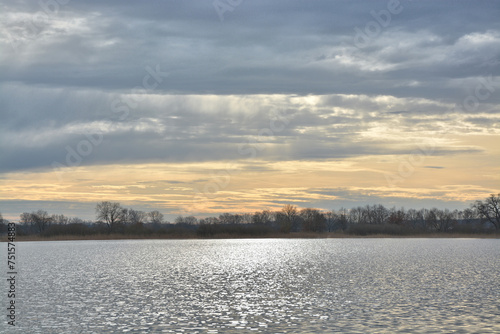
x,y
205,107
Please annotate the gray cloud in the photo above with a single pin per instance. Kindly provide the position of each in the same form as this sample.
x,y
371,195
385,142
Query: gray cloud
x,y
62,80
435,167
262,47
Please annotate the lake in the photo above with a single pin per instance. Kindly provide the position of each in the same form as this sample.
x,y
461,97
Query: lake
x,y
257,286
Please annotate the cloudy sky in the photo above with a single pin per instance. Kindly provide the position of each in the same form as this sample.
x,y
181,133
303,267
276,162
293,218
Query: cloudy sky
x,y
205,107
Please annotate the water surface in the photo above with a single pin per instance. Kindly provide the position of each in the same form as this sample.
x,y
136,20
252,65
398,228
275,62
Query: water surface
x,y
259,286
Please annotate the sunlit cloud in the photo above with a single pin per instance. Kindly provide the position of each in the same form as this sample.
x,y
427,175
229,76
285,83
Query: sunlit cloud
x,y
169,108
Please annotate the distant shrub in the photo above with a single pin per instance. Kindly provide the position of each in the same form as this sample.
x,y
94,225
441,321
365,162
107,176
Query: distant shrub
x,y
372,229
210,230
470,229
69,229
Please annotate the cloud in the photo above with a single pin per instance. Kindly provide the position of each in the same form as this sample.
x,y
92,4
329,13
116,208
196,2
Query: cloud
x,y
121,83
264,48
190,128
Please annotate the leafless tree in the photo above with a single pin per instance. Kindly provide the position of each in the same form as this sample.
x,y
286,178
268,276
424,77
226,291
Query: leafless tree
x,y
228,218
111,213
59,219
490,210
42,220
397,216
191,220
125,216
377,214
446,220
314,220
24,218
3,224
287,218
264,217
38,220
431,218
211,220
342,219
469,216
356,215
246,218
331,218
136,217
155,217
75,220
414,219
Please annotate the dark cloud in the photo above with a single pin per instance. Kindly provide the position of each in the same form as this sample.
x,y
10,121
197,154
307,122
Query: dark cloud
x,y
434,167
261,47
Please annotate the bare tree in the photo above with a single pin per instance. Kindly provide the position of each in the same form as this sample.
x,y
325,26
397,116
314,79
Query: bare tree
x,y
414,218
423,214
287,218
431,218
469,216
314,220
38,221
246,218
60,219
75,220
446,220
211,220
3,224
136,217
342,221
331,218
375,214
264,217
155,217
42,220
397,217
25,218
490,210
191,220
228,218
125,216
110,213
356,215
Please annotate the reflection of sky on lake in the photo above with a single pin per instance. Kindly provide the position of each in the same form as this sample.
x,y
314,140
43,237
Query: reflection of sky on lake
x,y
265,285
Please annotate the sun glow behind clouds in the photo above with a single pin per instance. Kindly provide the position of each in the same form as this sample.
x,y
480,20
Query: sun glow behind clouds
x,y
246,186
277,104
326,149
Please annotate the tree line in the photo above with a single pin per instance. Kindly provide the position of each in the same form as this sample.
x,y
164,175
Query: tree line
x,y
112,217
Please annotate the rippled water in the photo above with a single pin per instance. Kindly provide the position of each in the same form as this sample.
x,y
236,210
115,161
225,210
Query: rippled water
x,y
259,285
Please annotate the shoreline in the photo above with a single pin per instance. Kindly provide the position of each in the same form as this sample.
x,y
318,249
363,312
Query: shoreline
x,y
293,235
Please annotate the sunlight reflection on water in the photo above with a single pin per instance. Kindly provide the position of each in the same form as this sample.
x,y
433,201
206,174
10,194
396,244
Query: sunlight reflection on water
x,y
260,285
